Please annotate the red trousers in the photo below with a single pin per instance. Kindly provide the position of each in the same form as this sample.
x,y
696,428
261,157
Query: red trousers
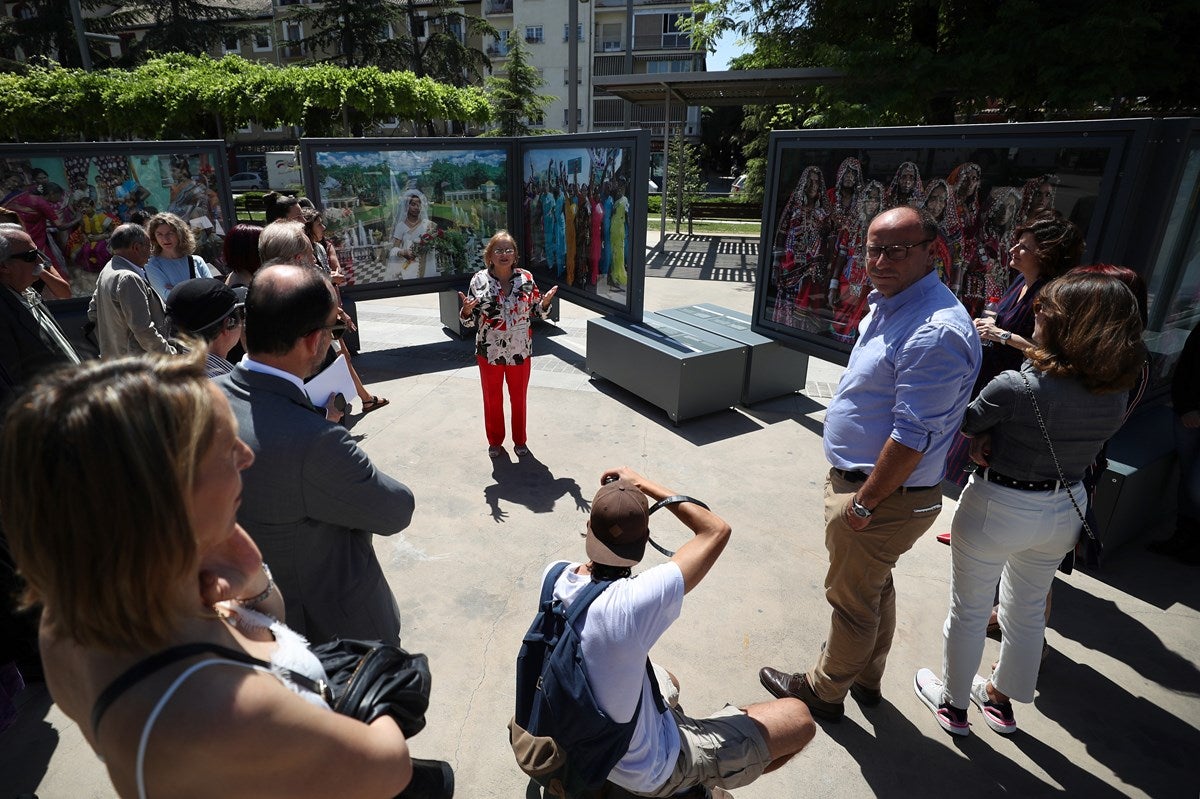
x,y
492,378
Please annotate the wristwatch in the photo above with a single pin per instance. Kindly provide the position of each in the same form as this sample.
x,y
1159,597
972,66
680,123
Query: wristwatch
x,y
1003,336
860,510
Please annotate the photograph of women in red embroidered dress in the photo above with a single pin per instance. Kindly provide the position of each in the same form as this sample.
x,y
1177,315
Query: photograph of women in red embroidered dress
x,y
966,179
905,188
821,195
997,240
936,203
843,194
850,284
1037,195
803,269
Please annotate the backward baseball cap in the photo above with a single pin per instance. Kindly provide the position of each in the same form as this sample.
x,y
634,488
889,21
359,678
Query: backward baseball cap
x,y
619,525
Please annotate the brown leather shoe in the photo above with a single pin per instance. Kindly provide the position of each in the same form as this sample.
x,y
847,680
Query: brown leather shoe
x,y
867,697
797,687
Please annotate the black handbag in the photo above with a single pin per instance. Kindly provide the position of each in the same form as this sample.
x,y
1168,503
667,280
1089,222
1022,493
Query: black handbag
x,y
368,679
364,679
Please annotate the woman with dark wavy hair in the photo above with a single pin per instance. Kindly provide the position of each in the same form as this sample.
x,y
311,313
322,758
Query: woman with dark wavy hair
x,y
1043,248
1033,432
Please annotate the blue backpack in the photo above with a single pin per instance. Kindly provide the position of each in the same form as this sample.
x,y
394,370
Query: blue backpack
x,y
559,735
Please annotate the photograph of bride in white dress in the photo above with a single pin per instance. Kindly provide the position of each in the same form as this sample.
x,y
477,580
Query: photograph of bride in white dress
x,y
411,215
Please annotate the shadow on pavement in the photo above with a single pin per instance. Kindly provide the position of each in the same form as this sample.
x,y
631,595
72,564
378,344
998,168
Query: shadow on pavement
x,y
27,746
900,759
1141,743
527,481
1157,580
1100,625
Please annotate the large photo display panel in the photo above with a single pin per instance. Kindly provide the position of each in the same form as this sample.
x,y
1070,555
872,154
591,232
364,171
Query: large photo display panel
x,y
409,215
823,192
70,197
582,217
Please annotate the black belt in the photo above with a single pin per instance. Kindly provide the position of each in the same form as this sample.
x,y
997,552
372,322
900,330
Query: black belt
x,y
993,476
861,477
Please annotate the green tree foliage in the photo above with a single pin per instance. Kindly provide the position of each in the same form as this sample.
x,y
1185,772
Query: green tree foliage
x,y
682,154
45,26
184,26
428,38
514,95
181,96
938,61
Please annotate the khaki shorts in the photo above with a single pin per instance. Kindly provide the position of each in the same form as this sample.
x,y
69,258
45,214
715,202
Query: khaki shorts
x,y
724,750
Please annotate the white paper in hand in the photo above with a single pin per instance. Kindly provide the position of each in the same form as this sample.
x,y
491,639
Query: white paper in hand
x,y
334,379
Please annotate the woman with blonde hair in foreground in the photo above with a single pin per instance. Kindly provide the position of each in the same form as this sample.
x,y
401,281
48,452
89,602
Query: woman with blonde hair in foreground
x,y
148,557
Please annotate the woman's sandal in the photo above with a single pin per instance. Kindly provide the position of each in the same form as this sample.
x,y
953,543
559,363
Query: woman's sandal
x,y
374,403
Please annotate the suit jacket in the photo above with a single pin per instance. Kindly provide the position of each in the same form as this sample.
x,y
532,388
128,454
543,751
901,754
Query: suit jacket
x,y
312,501
25,349
129,315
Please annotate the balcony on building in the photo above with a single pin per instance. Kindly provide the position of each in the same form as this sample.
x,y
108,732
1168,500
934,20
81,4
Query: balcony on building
x,y
491,7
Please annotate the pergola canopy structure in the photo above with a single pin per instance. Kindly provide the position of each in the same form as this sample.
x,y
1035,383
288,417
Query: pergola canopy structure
x,y
733,87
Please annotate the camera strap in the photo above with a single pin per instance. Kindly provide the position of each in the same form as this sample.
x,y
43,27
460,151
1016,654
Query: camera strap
x,y
674,499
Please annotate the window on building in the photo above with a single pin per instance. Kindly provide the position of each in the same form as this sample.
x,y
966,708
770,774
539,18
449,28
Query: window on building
x,y
664,66
293,32
578,32
232,44
455,28
499,48
567,116
672,36
537,121
420,28
262,41
610,37
535,34
578,76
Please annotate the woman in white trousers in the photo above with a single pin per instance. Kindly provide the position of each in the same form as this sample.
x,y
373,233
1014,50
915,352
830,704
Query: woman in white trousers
x,y
1034,432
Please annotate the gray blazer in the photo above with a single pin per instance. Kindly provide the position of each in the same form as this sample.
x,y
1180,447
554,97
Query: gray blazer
x,y
311,501
129,315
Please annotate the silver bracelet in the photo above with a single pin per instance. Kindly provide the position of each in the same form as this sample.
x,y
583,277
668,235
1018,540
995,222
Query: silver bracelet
x,y
266,592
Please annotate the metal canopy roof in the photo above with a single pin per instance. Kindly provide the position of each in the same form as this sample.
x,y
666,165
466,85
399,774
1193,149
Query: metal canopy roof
x,y
733,87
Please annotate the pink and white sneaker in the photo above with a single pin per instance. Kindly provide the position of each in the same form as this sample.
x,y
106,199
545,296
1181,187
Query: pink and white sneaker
x,y
929,690
998,715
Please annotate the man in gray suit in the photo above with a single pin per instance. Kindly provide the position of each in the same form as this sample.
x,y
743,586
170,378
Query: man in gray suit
x,y
129,315
312,499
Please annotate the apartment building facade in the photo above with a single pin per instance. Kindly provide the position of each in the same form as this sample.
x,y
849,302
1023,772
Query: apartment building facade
x,y
612,37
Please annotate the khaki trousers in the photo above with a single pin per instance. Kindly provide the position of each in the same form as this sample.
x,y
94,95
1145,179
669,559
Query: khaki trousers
x,y
859,586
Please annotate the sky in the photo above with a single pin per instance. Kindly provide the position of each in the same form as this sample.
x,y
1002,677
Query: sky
x,y
727,49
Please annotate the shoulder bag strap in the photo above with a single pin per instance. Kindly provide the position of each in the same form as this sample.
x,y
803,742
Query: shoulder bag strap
x,y
144,668
192,267
1037,411
674,499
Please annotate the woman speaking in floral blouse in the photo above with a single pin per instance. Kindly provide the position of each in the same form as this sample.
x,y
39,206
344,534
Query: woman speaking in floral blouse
x,y
501,303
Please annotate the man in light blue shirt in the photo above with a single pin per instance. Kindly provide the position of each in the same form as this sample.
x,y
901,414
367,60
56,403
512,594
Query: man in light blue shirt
x,y
887,431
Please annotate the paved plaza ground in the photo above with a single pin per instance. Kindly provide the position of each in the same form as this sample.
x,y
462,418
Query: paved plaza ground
x,y
1117,709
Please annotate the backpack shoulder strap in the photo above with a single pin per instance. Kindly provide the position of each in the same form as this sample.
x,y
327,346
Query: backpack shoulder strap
x,y
551,578
192,267
144,668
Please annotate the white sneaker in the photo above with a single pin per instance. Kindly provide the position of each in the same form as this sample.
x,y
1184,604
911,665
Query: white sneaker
x,y
929,690
999,716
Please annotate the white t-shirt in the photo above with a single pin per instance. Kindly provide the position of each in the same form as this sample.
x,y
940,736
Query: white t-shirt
x,y
622,625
